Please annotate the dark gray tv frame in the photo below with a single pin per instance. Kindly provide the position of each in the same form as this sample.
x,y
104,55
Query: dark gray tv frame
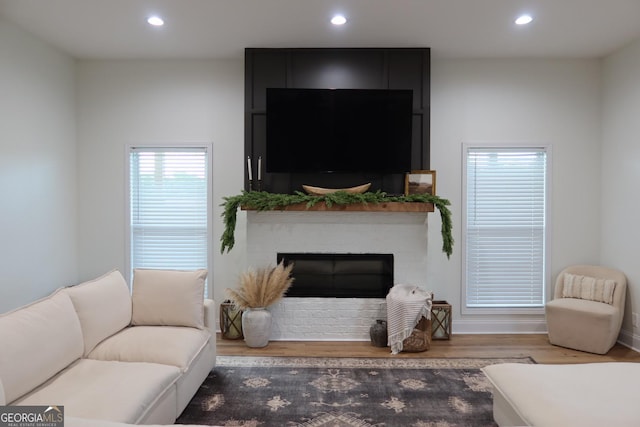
x,y
349,68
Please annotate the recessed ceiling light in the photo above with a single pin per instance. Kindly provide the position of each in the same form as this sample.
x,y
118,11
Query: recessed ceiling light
x,y
524,19
338,20
156,21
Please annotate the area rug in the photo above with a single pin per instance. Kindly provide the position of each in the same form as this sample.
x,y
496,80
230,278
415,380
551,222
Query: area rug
x,y
345,392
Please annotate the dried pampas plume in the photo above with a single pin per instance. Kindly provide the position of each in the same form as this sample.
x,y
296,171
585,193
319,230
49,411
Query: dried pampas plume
x,y
261,287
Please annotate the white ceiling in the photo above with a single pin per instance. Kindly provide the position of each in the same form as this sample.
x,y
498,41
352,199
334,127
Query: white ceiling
x,y
223,28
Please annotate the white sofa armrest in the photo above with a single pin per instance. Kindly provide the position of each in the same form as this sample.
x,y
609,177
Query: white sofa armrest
x,y
3,401
210,316
210,324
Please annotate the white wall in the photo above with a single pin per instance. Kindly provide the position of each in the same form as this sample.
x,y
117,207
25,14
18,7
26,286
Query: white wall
x,y
552,101
37,168
128,102
620,202
125,102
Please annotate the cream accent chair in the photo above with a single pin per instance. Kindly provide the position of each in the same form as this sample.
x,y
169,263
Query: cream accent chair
x,y
583,324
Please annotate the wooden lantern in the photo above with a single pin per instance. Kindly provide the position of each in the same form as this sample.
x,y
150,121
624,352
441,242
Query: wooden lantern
x,y
440,320
230,321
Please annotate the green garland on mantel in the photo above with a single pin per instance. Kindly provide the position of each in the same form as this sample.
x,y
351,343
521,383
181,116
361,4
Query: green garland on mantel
x,y
264,201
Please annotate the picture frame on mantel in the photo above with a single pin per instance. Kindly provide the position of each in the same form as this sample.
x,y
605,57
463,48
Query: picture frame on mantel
x,y
420,182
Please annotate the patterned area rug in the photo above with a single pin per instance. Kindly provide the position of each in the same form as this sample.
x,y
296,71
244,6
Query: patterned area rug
x,y
344,392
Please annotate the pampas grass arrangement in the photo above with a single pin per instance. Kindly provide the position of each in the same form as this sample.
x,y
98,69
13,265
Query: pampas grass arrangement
x,y
261,287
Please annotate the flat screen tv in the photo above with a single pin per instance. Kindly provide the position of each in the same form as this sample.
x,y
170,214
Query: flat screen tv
x,y
338,130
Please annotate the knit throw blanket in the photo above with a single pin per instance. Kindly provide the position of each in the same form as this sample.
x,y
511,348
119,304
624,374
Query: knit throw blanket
x,y
406,304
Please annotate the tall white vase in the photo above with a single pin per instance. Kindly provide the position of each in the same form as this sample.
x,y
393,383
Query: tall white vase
x,y
256,326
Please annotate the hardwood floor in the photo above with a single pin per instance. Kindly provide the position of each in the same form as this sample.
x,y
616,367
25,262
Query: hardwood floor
x,y
537,346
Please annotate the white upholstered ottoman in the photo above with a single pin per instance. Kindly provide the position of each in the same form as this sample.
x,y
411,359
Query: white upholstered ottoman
x,y
585,395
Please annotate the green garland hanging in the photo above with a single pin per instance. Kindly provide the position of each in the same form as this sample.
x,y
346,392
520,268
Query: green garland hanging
x,y
264,201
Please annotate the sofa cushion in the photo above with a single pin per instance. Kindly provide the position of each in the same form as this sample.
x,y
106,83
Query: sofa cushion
x,y
168,297
113,391
103,306
589,288
168,345
38,341
580,395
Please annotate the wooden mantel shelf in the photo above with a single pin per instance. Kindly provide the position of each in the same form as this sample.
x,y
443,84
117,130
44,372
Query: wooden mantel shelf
x,y
358,207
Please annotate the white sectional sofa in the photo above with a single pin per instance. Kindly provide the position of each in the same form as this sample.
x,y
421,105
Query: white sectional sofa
x,y
108,354
580,395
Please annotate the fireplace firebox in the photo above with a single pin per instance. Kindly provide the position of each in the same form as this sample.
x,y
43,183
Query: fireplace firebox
x,y
339,275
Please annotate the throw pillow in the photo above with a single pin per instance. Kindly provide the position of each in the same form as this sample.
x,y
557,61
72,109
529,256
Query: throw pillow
x,y
168,297
588,288
103,306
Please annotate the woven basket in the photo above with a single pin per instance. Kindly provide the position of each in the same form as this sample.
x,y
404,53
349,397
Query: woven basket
x,y
420,338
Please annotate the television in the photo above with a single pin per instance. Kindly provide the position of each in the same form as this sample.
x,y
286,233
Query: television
x,y
338,130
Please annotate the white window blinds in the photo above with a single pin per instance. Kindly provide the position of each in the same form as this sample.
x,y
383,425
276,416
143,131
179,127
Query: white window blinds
x,y
168,203
505,227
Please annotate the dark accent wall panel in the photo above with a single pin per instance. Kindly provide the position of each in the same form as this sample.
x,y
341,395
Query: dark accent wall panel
x,y
338,68
406,72
264,68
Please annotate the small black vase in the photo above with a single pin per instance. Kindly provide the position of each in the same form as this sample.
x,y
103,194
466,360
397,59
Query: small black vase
x,y
378,333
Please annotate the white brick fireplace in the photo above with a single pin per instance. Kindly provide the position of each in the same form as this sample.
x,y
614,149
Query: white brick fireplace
x,y
403,234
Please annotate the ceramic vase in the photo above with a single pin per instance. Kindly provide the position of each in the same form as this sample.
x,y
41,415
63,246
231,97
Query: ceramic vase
x,y
256,326
378,333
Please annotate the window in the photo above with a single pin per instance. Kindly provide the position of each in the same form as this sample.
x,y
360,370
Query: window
x,y
168,198
505,226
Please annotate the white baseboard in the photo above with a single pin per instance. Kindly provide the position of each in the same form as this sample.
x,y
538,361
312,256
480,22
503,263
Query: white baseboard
x,y
493,326
626,338
629,339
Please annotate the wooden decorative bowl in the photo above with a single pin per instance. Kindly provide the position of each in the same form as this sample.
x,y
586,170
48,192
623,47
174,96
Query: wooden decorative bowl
x,y
319,191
